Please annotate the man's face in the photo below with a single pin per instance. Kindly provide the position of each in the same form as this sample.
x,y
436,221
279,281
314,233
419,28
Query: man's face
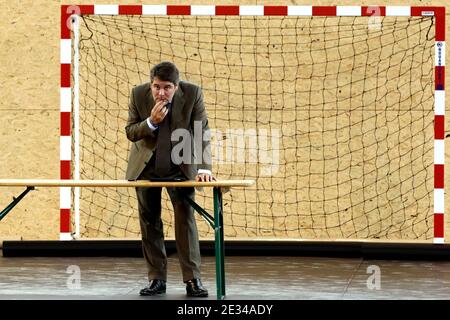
x,y
163,90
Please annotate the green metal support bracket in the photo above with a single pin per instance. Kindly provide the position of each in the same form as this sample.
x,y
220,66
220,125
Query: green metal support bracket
x,y
15,201
201,211
217,224
219,240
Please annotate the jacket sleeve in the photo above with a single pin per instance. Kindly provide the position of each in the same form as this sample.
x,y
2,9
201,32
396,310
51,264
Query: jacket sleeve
x,y
137,128
199,115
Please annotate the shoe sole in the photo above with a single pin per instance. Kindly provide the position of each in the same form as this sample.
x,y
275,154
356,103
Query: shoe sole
x,y
201,295
152,294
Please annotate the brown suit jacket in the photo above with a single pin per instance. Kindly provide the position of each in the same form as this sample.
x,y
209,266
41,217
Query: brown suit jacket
x,y
187,107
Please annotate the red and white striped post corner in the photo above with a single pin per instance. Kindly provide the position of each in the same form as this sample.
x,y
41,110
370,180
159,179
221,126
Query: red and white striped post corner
x,y
256,10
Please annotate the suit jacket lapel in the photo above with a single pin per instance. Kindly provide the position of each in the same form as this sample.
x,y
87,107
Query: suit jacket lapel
x,y
149,103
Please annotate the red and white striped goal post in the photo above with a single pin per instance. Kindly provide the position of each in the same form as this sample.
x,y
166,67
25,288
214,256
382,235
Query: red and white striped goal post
x,y
254,10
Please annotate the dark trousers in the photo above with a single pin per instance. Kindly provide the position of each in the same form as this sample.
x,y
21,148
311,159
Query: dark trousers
x,y
186,234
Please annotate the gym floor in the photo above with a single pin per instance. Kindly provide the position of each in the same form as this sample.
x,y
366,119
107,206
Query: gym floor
x,y
247,278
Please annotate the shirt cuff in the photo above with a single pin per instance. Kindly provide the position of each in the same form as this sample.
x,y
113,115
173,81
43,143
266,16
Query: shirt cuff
x,y
204,171
152,127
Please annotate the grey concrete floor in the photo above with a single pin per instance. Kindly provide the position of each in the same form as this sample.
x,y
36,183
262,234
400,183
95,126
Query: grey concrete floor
x,y
247,278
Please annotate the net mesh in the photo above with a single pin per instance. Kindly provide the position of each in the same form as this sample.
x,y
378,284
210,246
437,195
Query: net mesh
x,y
332,116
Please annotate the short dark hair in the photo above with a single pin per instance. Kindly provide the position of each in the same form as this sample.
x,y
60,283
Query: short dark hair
x,y
165,71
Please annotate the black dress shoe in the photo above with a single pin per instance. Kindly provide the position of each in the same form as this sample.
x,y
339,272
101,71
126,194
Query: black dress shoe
x,y
194,288
155,286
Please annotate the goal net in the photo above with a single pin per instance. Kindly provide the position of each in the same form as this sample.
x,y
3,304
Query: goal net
x,y
332,116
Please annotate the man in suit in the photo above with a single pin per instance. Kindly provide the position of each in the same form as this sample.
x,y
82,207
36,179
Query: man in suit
x,y
156,111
